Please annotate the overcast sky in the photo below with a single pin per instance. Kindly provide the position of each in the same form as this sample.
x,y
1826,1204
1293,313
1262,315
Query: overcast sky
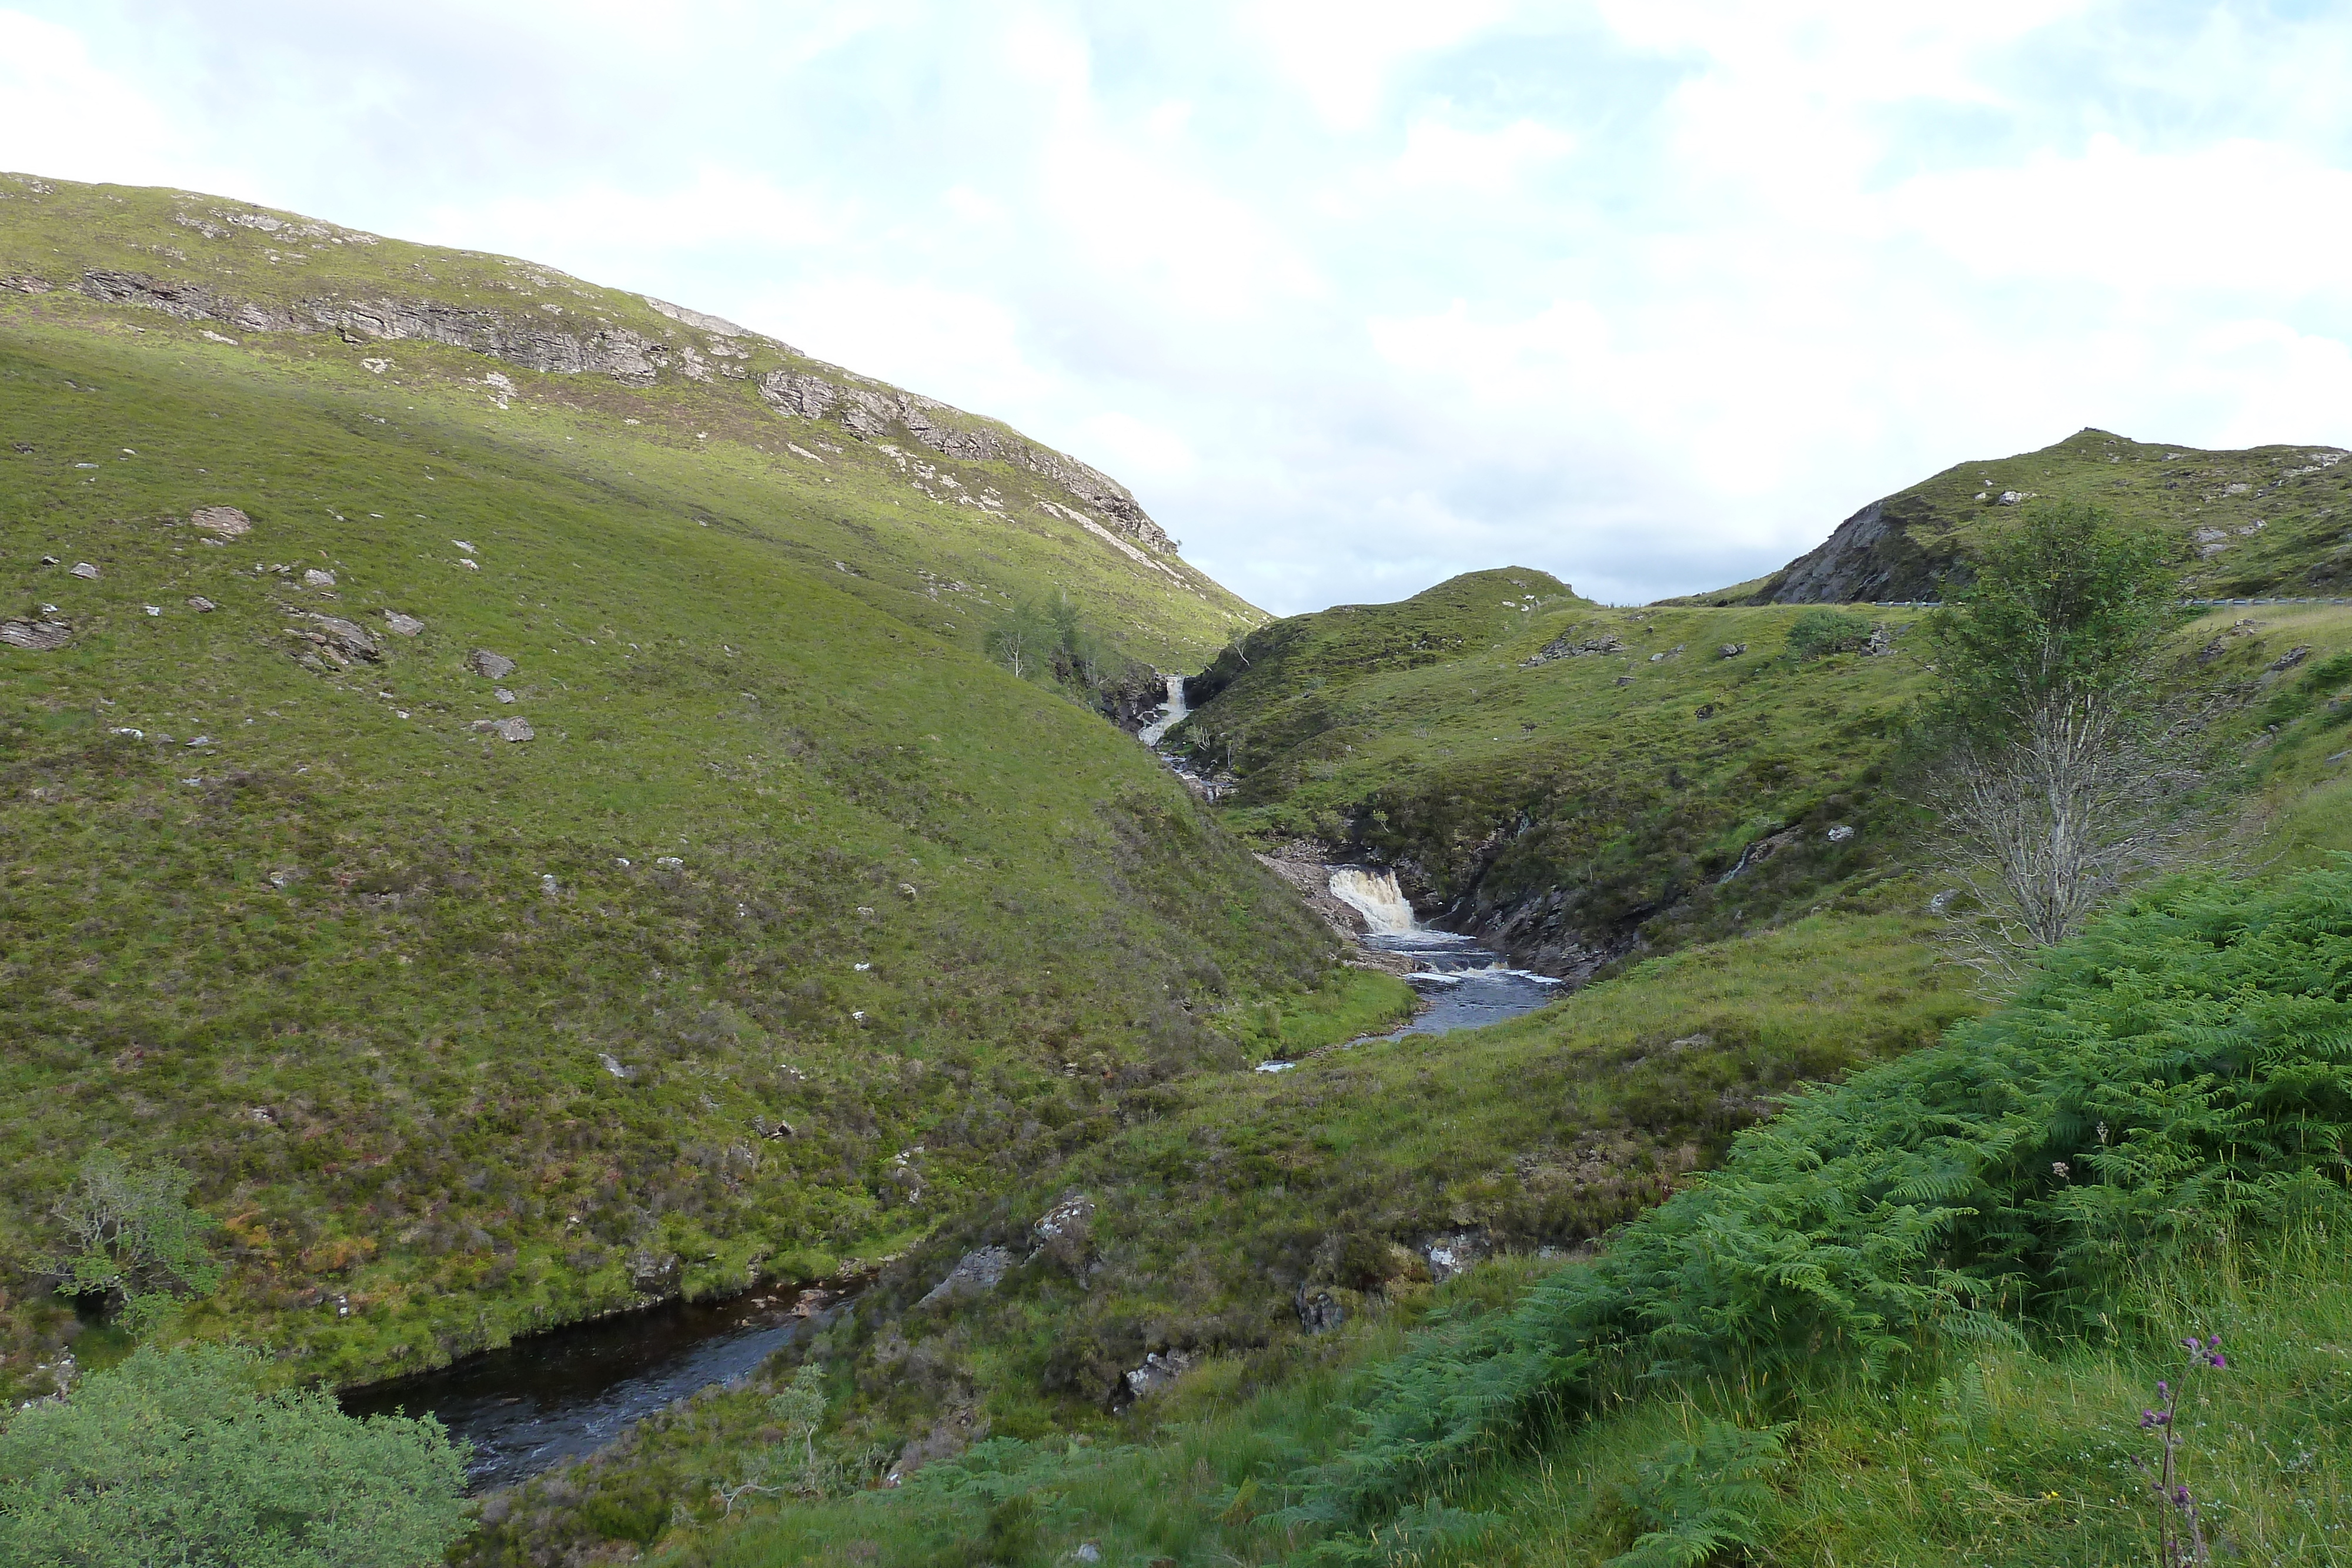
x,y
1354,295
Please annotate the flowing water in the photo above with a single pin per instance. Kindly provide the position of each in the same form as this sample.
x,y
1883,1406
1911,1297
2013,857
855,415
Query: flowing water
x,y
564,1394
1462,982
1171,712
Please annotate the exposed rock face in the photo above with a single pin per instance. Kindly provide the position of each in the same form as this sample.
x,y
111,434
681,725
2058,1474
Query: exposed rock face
x,y
536,343
403,625
975,1274
505,728
225,521
36,636
1889,549
574,342
871,410
339,640
1159,1370
492,666
651,1271
1568,646
1452,1253
717,326
1318,1309
1545,932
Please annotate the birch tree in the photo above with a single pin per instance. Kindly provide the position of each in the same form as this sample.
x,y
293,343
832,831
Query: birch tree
x,y
2060,771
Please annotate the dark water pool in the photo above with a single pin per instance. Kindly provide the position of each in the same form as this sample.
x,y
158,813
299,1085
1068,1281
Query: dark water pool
x,y
563,1394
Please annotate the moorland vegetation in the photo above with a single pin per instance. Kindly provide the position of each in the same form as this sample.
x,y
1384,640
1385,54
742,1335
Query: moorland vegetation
x,y
821,923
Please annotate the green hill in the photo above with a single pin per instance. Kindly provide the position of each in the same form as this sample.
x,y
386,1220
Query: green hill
x,y
1271,1240
2260,522
531,839
1571,782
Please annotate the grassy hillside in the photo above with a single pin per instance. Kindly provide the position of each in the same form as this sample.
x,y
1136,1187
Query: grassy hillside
x,y
1571,782
1578,783
1893,1330
929,514
1258,1226
781,924
1272,1233
2265,521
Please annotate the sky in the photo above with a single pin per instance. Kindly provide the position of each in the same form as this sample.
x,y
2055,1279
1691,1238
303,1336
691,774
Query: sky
x,y
1353,294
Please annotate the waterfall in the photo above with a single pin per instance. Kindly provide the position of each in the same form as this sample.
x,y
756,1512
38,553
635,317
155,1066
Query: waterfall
x,y
1171,712
1376,897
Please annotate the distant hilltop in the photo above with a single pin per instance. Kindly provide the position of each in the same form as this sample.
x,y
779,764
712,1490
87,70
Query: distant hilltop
x,y
2268,521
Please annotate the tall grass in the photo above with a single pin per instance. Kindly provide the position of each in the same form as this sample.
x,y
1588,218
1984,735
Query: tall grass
x,y
2185,1067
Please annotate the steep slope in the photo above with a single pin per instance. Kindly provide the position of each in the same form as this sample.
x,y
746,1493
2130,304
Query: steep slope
x,y
523,861
1572,782
2263,522
934,515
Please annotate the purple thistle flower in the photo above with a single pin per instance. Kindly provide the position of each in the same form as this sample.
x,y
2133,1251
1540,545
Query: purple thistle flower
x,y
2163,1388
2215,1341
2218,1359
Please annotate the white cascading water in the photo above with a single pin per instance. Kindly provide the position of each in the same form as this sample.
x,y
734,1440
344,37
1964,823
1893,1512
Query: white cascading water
x,y
1376,896
1171,712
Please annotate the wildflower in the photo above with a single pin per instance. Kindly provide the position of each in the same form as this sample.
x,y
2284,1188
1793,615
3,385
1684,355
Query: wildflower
x,y
2058,1169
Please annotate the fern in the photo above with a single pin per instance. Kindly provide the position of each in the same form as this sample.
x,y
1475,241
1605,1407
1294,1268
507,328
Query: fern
x,y
1702,1497
2184,1065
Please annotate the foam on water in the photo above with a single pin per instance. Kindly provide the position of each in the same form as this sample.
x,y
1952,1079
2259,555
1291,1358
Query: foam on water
x,y
1376,896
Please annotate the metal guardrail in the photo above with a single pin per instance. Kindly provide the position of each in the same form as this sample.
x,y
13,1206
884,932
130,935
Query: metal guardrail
x,y
2207,604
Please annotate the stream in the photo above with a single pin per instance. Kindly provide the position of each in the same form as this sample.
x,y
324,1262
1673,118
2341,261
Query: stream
x,y
1463,983
562,1395
566,1393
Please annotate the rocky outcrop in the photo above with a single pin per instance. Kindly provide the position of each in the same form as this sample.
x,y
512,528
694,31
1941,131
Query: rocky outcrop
x,y
1159,1371
556,346
535,343
228,522
36,636
975,1274
1891,550
1568,645
1544,933
871,409
335,641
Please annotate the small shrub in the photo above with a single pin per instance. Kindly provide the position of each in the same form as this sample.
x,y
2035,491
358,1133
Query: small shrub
x,y
180,1447
1820,632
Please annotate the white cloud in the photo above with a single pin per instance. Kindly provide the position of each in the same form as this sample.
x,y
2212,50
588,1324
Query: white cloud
x,y
2237,216
1139,453
62,114
1341,53
1492,163
1649,293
